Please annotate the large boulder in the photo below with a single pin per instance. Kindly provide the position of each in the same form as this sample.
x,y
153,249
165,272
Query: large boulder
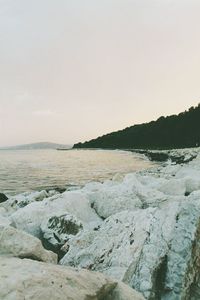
x,y
27,279
154,250
112,247
30,217
132,193
17,243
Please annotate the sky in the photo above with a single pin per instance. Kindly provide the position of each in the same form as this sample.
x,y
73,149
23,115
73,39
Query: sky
x,y
72,70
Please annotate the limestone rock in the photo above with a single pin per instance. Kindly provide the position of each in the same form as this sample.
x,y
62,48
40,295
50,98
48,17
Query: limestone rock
x,y
30,217
16,202
143,229
4,221
155,250
57,230
27,279
129,194
112,247
21,244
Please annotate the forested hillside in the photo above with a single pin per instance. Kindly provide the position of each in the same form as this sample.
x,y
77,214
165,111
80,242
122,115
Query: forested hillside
x,y
176,131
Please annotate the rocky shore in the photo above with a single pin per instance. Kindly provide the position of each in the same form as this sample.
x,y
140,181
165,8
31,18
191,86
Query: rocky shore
x,y
136,237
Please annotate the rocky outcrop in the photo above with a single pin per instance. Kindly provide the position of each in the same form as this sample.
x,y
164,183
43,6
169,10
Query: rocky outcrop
x,y
178,157
153,243
156,250
27,279
168,263
17,243
143,229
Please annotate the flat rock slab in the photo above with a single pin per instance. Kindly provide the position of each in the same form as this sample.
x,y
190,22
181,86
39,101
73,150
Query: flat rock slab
x,y
32,280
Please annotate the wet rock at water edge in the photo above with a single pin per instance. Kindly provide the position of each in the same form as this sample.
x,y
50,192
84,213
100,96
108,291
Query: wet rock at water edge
x,y
3,197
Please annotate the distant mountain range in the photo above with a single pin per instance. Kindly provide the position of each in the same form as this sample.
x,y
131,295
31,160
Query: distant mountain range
x,y
37,146
176,131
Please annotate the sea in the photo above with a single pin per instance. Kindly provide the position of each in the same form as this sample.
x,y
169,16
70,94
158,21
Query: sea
x,y
30,170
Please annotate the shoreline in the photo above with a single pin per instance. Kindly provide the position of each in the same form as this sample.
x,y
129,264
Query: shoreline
x,y
134,229
158,155
49,169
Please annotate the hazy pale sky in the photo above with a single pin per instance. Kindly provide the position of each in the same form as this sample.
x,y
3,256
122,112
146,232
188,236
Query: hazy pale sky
x,y
71,70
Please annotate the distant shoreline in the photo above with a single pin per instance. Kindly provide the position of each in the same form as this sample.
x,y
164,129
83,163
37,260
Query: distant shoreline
x,y
158,155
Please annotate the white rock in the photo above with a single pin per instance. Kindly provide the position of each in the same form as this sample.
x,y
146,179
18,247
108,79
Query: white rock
x,y
135,191
4,221
142,246
26,279
31,217
150,236
173,187
57,230
16,202
114,246
21,244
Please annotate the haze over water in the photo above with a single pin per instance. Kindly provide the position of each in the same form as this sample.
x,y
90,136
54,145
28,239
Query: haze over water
x,y
27,170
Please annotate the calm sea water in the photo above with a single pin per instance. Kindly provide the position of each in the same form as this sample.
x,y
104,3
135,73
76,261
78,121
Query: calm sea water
x,y
27,170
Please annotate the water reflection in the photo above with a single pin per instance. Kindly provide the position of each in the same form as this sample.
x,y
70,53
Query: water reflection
x,y
25,170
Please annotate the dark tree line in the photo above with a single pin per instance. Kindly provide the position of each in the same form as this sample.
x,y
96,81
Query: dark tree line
x,y
176,131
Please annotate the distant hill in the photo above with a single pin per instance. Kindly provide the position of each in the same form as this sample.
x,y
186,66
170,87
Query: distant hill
x,y
37,146
176,131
